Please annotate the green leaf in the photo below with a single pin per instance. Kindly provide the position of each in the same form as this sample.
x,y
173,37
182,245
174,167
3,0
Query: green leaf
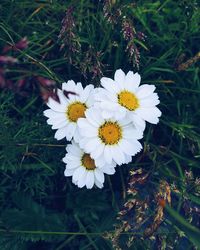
x,y
192,232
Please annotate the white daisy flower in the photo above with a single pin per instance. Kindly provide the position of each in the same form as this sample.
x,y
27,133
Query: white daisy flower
x,y
63,116
124,97
83,168
108,140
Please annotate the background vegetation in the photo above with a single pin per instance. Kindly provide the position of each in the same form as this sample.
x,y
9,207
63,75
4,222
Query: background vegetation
x,y
40,208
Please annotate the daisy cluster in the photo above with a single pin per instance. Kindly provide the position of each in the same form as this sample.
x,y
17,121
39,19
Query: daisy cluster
x,y
103,124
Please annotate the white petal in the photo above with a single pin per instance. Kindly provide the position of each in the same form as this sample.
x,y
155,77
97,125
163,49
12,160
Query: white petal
x,y
91,145
83,123
61,133
69,86
138,122
82,142
149,114
128,159
118,155
56,106
71,127
99,175
98,151
73,97
109,85
101,95
150,101
78,173
68,172
90,179
53,121
100,161
60,124
145,90
81,182
79,88
120,113
74,182
63,99
57,115
132,132
109,105
94,117
50,113
98,184
107,154
74,149
130,147
90,101
137,145
107,114
71,158
86,93
108,170
127,121
77,135
120,78
86,129
73,165
57,119
113,97
132,81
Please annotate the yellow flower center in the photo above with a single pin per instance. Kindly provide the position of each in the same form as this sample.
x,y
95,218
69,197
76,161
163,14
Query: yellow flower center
x,y
128,100
76,110
110,133
88,162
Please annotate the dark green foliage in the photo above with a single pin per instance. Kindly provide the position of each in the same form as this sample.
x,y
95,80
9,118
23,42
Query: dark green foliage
x,y
40,208
30,216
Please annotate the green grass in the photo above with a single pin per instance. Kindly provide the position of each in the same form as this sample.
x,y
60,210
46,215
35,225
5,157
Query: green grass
x,y
40,208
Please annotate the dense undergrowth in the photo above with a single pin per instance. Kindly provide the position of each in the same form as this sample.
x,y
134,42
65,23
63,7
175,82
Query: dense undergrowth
x,y
42,209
